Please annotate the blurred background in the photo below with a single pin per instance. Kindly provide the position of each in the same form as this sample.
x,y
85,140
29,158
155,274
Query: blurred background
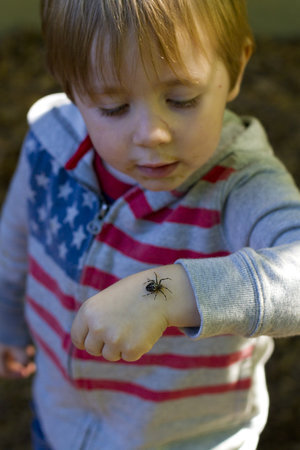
x,y
271,92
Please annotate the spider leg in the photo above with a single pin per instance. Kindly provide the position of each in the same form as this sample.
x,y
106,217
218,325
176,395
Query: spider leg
x,y
162,292
162,279
165,287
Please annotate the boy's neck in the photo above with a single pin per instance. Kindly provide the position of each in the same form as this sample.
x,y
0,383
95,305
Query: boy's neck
x,y
113,184
118,175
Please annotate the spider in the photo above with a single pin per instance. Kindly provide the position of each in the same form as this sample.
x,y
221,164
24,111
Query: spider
x,y
156,287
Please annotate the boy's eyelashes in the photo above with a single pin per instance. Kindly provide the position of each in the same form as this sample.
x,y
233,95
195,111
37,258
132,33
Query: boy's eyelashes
x,y
117,111
173,103
190,103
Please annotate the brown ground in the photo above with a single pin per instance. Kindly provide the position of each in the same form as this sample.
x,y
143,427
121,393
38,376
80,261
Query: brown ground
x,y
270,92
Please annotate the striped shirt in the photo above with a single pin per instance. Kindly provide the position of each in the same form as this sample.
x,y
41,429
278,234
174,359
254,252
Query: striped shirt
x,y
64,238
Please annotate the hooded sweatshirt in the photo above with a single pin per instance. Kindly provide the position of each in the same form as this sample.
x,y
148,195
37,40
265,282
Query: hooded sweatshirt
x,y
234,226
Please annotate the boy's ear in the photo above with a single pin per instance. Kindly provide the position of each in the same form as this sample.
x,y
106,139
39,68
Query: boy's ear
x,y
246,55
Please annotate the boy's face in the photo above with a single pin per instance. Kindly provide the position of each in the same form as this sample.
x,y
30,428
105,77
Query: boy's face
x,y
155,127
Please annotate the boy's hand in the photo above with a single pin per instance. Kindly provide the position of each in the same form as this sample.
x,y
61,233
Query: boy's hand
x,y
126,319
16,362
119,322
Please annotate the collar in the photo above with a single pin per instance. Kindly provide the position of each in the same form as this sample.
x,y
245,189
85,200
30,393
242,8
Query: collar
x,y
110,185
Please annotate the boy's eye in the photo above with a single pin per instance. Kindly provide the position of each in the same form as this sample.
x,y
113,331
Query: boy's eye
x,y
123,109
117,111
190,103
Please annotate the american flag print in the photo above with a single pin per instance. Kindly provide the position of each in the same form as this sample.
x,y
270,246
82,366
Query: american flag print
x,y
60,211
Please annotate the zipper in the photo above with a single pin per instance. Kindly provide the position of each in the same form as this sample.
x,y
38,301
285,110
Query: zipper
x,y
94,227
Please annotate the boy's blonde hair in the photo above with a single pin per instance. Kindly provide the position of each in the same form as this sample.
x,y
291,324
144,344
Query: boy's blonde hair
x,y
74,30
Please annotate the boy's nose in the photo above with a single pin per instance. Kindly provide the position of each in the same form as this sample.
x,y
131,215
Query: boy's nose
x,y
151,131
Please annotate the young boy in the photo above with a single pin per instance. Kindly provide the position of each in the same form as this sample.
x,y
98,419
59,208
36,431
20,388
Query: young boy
x,y
170,214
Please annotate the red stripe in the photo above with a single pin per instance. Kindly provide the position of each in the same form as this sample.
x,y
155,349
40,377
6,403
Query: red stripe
x,y
51,355
138,203
173,331
201,217
140,391
51,284
218,173
47,317
180,362
113,187
83,148
161,396
53,323
147,253
196,362
98,279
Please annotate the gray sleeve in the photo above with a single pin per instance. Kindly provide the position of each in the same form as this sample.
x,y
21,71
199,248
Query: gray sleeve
x,y
13,260
256,289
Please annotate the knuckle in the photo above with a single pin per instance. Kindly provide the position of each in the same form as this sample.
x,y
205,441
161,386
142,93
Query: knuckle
x,y
77,339
74,337
114,340
132,354
78,344
86,313
93,351
111,354
93,346
127,356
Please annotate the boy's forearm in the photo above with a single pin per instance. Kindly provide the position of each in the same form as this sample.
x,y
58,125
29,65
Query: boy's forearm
x,y
248,293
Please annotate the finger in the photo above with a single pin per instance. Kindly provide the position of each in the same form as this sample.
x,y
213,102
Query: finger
x,y
110,353
16,363
20,355
19,363
6,363
93,345
28,370
26,359
131,356
30,351
133,353
79,332
12,367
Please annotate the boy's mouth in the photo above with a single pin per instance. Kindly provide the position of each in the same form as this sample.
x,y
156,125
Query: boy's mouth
x,y
159,170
